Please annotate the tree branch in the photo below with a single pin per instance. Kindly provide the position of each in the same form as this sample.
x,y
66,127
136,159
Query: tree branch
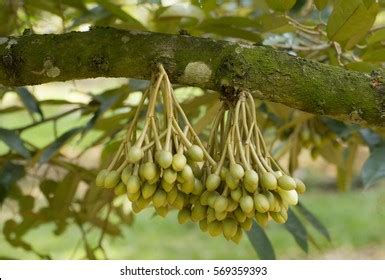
x,y
211,64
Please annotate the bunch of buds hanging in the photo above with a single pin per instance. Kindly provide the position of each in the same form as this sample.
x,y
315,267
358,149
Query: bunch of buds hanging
x,y
159,162
314,134
223,186
246,183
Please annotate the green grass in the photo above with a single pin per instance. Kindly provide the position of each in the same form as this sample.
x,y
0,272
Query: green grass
x,y
355,221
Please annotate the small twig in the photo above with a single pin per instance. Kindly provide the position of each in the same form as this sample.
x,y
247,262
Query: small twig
x,y
53,118
102,235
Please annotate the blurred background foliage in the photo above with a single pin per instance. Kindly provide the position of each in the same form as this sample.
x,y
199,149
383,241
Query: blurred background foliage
x,y
55,137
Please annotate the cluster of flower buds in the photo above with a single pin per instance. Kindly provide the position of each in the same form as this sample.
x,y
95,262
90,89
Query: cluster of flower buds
x,y
223,185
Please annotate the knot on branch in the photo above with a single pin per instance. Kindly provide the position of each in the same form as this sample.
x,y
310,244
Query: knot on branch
x,y
99,63
232,75
378,84
11,62
378,81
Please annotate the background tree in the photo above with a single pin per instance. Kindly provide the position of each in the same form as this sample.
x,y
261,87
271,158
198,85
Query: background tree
x,y
296,53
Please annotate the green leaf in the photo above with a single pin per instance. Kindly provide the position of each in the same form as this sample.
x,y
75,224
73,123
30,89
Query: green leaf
x,y
343,130
118,12
374,55
108,151
233,32
240,22
46,5
138,85
29,101
313,220
26,203
75,4
54,6
10,173
94,15
105,102
89,251
111,123
3,257
371,138
30,221
376,37
60,196
48,188
350,21
11,109
275,23
111,99
107,226
190,106
321,4
9,227
346,168
58,102
263,23
294,155
366,25
181,10
14,142
232,26
361,66
95,200
374,168
207,6
127,218
53,148
261,242
64,194
297,229
8,18
332,153
281,5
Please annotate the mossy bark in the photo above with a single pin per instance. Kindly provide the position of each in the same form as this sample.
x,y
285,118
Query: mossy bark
x,y
218,65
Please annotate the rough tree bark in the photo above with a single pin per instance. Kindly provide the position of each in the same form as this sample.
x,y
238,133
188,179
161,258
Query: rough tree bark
x,y
211,64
